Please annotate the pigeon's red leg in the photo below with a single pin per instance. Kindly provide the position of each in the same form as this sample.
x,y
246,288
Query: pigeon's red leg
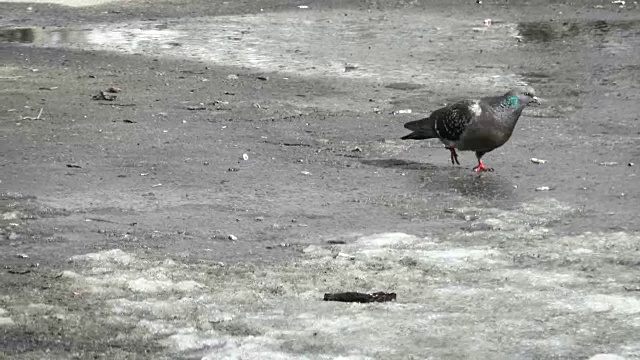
x,y
481,167
454,155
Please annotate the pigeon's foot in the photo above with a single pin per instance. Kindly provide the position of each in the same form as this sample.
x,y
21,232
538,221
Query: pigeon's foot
x,y
454,155
481,167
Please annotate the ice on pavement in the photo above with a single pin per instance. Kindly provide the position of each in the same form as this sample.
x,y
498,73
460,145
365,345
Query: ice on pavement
x,y
468,293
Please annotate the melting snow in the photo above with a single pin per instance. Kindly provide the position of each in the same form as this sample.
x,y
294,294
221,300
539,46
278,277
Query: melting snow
x,y
458,295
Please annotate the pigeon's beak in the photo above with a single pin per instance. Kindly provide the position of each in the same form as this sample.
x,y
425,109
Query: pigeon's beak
x,y
535,100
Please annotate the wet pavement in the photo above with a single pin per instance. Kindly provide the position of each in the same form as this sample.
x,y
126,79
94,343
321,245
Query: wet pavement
x,y
308,44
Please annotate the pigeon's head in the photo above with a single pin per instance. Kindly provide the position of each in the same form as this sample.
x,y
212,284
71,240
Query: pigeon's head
x,y
525,94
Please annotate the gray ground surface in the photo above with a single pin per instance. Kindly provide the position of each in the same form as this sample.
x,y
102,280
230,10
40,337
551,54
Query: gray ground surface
x,y
114,234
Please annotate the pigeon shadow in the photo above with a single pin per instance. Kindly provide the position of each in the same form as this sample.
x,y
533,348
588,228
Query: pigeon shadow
x,y
455,179
398,164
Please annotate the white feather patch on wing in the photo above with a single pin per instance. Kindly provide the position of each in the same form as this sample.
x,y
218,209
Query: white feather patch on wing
x,y
475,108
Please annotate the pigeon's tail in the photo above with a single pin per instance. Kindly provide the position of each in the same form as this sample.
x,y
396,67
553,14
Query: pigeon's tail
x,y
422,129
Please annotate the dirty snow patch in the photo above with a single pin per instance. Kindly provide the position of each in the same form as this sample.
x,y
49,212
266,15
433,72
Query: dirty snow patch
x,y
526,281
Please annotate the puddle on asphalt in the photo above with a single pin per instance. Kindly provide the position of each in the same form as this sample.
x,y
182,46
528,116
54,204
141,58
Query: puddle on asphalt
x,y
308,44
17,35
561,30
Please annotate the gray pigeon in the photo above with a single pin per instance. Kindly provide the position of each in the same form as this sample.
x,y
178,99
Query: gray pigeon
x,y
474,125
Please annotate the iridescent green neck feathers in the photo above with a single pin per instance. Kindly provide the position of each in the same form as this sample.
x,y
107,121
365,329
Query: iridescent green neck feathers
x,y
511,101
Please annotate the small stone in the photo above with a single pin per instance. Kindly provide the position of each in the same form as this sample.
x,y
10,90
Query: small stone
x,y
538,161
543,188
259,218
403,111
347,256
336,242
263,78
609,163
245,157
350,67
233,237
311,249
630,164
305,173
22,256
232,77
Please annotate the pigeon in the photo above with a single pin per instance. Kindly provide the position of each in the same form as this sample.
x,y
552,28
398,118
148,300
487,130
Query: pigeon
x,y
480,125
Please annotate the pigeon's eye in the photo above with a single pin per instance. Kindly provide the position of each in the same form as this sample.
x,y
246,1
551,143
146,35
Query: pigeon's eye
x,y
527,94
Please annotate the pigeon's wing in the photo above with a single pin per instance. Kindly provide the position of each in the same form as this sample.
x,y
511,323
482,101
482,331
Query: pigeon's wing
x,y
451,121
